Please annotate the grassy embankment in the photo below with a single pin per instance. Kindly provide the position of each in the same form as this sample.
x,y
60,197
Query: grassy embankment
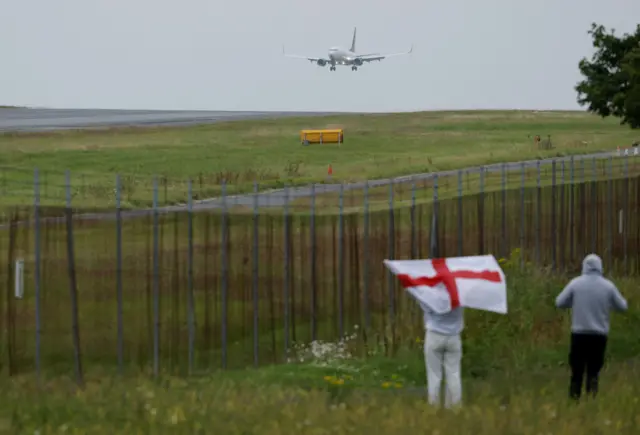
x,y
509,389
515,381
268,151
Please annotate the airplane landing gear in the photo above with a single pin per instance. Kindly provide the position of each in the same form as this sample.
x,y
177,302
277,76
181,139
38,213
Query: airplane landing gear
x,y
333,68
354,68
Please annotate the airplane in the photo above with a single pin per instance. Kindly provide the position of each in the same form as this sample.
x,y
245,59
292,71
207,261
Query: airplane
x,y
340,56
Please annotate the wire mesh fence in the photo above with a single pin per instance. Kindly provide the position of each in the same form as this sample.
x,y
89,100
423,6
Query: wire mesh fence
x,y
191,288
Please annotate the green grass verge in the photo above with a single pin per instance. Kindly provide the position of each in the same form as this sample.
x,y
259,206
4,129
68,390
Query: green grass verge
x,y
277,401
515,379
269,152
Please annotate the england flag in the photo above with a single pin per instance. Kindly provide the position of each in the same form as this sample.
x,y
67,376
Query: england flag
x,y
443,284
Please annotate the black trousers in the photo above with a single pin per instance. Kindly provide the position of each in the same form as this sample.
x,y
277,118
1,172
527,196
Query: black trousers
x,y
586,355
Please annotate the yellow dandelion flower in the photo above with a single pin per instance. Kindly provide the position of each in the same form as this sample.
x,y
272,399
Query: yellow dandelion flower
x,y
397,385
177,416
386,384
328,378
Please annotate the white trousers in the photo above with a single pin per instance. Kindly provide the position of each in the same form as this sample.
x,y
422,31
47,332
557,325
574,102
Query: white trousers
x,y
443,351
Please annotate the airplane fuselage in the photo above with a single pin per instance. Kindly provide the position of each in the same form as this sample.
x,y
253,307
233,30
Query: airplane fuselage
x,y
339,56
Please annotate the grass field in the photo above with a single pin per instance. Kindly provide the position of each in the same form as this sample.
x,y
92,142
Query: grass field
x,y
269,152
279,401
333,388
508,389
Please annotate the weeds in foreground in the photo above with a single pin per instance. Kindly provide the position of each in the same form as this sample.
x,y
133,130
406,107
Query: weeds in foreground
x,y
511,404
327,387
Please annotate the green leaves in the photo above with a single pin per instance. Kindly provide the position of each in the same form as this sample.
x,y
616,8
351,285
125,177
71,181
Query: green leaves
x,y
612,77
631,68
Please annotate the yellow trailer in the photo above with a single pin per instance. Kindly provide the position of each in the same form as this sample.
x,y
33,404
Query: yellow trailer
x,y
321,136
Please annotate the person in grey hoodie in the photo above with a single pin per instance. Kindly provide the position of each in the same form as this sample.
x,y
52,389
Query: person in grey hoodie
x,y
591,297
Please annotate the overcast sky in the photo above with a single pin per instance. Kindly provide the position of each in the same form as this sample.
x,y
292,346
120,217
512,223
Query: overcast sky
x,y
227,55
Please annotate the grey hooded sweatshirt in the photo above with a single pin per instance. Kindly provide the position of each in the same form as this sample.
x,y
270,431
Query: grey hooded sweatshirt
x,y
591,297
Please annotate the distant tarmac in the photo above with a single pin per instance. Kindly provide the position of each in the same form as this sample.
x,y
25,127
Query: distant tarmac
x,y
41,120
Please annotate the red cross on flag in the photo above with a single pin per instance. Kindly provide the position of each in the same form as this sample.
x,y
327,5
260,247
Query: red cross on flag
x,y
443,284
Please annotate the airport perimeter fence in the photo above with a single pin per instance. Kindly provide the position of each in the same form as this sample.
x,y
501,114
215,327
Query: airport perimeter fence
x,y
135,191
183,290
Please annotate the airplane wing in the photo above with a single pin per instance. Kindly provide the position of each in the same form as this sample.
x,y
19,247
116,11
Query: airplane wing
x,y
377,57
310,59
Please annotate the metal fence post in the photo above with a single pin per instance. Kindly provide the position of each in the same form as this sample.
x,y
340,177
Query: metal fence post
x,y
191,315
37,278
119,274
562,228
460,220
391,251
572,188
287,271
504,241
625,214
73,289
367,279
413,219
434,248
594,228
312,231
225,277
256,302
522,214
156,281
610,214
341,263
554,220
481,213
285,289
538,212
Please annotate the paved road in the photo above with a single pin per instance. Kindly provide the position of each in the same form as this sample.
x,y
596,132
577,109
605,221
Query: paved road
x,y
52,119
37,120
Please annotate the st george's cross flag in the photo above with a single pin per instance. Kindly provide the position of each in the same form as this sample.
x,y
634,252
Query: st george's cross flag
x,y
443,284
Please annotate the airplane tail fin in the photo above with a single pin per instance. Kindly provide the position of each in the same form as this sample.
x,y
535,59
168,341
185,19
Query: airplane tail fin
x,y
353,43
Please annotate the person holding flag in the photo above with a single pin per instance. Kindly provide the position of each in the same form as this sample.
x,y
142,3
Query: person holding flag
x,y
443,349
443,287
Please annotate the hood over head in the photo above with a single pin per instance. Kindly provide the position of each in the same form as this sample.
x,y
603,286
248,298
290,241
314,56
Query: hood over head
x,y
592,264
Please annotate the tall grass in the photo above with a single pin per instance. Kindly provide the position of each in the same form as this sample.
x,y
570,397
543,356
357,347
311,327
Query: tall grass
x,y
515,380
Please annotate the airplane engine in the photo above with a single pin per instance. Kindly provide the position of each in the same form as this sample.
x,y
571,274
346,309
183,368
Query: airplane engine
x,y
322,62
357,61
